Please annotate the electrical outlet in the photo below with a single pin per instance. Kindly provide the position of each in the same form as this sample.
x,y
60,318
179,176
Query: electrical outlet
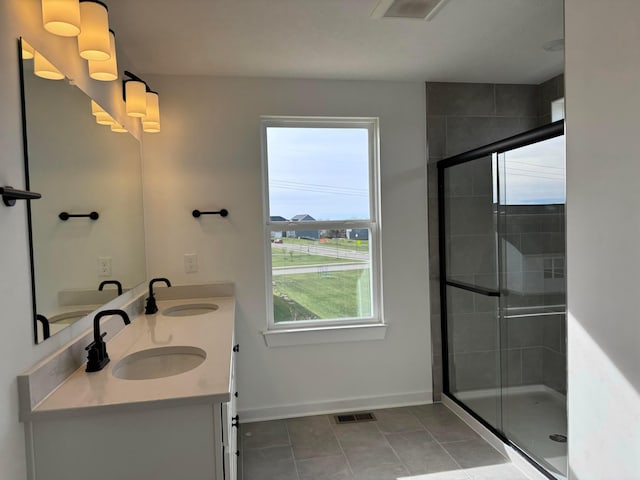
x,y
190,262
104,266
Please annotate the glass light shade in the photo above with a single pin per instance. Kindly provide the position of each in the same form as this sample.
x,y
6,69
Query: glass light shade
x,y
136,95
61,17
103,118
94,41
153,108
116,127
44,68
151,127
95,108
106,70
27,50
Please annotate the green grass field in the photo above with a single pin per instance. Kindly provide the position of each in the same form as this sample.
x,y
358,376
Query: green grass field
x,y
289,258
342,294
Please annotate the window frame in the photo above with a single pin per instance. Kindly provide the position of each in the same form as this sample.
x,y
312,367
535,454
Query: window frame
x,y
371,124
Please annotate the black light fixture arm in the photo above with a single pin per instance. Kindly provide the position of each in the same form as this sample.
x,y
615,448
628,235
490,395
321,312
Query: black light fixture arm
x,y
223,212
133,76
64,216
10,195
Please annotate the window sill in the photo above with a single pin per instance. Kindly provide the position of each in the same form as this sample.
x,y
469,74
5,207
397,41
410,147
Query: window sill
x,y
317,335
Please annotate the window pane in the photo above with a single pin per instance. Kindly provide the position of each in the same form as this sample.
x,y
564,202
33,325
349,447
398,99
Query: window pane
x,y
318,173
322,275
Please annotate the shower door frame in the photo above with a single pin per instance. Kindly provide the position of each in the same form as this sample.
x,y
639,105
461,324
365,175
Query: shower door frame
x,y
529,137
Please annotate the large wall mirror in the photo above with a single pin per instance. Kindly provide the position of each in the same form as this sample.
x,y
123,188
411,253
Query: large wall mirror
x,y
79,167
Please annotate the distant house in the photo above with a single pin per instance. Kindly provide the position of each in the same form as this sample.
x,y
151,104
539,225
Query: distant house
x,y
277,218
309,234
358,234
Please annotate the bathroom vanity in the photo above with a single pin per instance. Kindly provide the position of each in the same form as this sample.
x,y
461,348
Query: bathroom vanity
x,y
163,408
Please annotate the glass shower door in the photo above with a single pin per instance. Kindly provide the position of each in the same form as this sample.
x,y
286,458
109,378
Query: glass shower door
x,y
532,263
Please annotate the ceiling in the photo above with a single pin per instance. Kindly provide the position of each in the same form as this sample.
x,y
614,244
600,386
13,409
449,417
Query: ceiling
x,y
498,41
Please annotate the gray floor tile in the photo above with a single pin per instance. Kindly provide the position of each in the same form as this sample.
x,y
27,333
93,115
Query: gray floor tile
x,y
452,475
264,434
505,471
397,420
374,457
312,437
447,427
430,410
382,472
273,463
359,436
420,453
334,467
474,453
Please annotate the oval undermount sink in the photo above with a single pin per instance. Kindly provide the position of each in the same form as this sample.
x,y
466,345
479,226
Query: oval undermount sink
x,y
190,310
69,317
159,362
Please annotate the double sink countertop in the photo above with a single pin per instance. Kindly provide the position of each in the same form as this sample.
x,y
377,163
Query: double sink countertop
x,y
208,383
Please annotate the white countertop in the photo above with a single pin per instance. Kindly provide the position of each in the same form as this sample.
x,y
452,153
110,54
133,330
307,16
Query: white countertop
x,y
208,383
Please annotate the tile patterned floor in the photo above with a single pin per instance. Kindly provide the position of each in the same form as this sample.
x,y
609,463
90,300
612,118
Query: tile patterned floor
x,y
427,442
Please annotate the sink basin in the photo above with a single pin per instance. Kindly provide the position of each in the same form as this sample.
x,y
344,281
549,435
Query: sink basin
x,y
69,317
159,363
190,310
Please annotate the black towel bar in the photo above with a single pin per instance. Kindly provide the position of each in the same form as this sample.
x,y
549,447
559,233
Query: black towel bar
x,y
222,212
64,216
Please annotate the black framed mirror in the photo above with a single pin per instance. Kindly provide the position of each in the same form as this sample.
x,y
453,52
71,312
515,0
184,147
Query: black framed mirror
x,y
87,232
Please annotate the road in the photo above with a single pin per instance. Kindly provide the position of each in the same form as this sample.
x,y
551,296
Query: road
x,y
324,251
318,268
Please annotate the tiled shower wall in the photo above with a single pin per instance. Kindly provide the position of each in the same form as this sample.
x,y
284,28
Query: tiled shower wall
x,y
460,117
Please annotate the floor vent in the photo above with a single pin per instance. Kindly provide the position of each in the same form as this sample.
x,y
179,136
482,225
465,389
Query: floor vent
x,y
354,417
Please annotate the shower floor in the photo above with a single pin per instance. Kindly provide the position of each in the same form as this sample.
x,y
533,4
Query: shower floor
x,y
529,415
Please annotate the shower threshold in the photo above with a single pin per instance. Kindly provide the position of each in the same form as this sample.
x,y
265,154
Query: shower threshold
x,y
531,415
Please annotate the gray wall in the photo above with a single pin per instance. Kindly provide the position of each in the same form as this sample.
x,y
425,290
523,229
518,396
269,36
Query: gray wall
x,y
460,117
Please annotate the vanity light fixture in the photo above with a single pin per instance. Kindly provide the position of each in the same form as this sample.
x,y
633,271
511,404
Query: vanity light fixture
x,y
102,117
135,96
105,70
151,121
94,39
44,68
27,50
116,127
61,17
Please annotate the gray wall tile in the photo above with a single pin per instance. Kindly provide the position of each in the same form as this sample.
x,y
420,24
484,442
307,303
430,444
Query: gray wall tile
x,y
460,99
436,135
555,370
517,100
532,365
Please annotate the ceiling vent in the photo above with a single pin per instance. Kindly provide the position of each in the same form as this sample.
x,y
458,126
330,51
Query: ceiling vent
x,y
415,9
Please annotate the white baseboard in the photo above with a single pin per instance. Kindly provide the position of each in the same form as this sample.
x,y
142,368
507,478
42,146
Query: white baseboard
x,y
509,452
335,406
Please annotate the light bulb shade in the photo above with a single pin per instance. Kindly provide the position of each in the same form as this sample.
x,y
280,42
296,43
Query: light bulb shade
x,y
116,127
106,70
153,108
61,17
45,69
27,50
95,108
151,127
94,41
136,96
103,118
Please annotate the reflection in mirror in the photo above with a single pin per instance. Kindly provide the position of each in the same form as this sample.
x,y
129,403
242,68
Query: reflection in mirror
x,y
80,167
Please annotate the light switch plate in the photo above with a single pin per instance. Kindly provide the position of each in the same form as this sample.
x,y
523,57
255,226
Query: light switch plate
x,y
190,262
104,266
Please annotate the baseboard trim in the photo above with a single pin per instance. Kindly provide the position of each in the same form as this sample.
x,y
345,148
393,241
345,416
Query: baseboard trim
x,y
335,406
511,453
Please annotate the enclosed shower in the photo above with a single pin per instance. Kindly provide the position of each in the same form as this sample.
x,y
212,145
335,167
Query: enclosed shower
x,y
503,290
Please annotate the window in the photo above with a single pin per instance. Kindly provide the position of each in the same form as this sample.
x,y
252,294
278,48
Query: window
x,y
322,230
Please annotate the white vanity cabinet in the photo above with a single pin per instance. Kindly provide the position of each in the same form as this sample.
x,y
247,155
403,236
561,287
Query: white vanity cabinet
x,y
102,427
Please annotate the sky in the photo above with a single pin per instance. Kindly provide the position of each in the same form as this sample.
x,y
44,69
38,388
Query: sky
x,y
535,174
322,172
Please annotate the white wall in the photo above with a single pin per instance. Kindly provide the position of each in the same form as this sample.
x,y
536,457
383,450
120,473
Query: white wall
x,y
17,351
603,235
208,157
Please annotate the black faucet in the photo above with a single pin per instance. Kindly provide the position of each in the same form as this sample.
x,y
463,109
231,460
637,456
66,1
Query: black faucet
x,y
46,331
98,356
111,282
151,306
